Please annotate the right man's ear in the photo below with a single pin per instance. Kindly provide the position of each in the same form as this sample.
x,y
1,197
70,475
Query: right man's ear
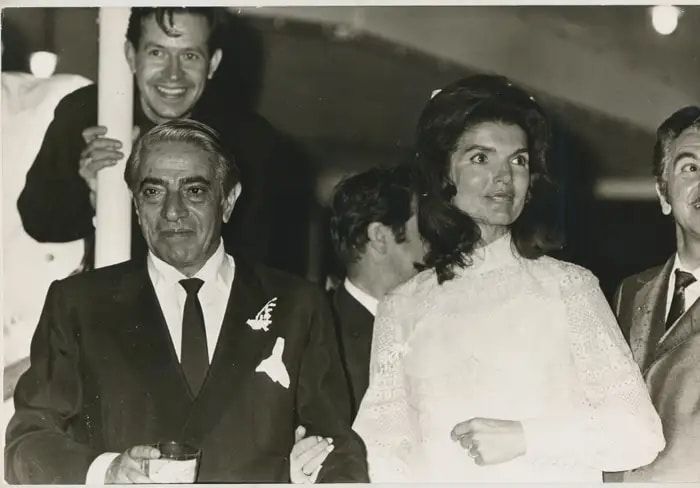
x,y
663,201
377,237
130,54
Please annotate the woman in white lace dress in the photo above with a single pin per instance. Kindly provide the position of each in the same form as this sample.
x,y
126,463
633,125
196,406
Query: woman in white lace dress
x,y
497,363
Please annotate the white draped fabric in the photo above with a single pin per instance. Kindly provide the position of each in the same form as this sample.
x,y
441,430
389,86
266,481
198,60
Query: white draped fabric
x,y
507,338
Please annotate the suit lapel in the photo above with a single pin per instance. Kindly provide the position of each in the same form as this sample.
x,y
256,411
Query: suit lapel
x,y
238,351
687,325
141,334
648,317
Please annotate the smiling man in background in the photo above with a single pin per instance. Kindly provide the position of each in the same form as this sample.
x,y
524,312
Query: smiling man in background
x,y
173,53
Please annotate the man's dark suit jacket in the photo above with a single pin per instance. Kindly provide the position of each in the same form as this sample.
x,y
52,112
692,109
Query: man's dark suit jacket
x,y
104,377
670,365
55,202
355,324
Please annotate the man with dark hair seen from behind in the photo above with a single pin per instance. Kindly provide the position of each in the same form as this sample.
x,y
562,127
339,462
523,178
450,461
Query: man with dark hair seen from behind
x,y
375,235
173,53
659,311
187,344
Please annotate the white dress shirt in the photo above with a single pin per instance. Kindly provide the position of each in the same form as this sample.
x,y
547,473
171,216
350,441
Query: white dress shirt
x,y
692,291
365,299
217,274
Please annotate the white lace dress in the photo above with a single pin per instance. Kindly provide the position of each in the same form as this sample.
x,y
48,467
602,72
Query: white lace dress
x,y
507,338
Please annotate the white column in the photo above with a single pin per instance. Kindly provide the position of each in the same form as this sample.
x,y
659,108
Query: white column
x,y
115,111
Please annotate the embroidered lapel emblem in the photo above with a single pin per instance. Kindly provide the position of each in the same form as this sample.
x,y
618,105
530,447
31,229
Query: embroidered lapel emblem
x,y
273,365
263,319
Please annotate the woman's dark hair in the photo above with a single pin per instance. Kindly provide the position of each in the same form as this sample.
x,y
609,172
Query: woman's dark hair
x,y
450,232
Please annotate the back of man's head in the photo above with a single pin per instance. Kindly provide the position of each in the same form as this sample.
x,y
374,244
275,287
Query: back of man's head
x,y
382,195
680,121
164,19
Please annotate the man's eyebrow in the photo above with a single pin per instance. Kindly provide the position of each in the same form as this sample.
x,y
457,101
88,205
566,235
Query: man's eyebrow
x,y
195,179
685,154
150,180
151,44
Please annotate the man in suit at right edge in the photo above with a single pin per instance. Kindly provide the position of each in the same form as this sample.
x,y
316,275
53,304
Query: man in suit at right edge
x,y
659,312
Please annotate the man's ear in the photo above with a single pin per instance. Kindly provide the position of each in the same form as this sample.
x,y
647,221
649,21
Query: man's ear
x,y
661,193
135,204
214,62
230,201
378,237
130,54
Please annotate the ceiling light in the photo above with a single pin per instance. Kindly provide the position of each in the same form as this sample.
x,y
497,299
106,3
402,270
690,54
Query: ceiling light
x,y
664,18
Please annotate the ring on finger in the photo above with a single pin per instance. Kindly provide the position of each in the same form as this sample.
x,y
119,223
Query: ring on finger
x,y
305,473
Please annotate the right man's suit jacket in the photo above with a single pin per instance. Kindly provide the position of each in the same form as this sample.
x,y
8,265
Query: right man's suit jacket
x,y
670,364
104,376
355,324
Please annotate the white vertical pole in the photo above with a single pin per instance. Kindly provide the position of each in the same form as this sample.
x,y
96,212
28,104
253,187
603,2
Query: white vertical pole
x,y
115,111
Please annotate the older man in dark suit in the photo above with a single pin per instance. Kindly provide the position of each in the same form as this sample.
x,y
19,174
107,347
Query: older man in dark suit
x,y
659,312
187,345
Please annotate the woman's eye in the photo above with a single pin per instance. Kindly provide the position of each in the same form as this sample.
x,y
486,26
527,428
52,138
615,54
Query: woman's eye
x,y
521,160
479,158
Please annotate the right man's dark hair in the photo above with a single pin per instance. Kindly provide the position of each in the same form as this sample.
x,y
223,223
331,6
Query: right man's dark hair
x,y
377,195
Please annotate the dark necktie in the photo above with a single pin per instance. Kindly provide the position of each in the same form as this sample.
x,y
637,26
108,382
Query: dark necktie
x,y
683,280
195,358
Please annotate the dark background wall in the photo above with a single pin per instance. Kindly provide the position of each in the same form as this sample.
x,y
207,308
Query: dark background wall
x,y
346,84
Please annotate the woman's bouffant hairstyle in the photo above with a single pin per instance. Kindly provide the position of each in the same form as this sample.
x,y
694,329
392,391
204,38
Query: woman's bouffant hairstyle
x,y
449,231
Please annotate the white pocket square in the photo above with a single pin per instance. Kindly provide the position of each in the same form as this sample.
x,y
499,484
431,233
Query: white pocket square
x,y
273,365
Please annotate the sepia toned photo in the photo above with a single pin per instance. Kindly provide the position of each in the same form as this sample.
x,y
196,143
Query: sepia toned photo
x,y
350,244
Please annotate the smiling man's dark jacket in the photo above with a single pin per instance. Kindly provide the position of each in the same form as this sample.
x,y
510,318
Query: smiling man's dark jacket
x,y
104,377
55,202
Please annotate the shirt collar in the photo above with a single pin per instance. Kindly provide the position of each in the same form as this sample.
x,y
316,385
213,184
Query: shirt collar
x,y
216,270
678,265
365,299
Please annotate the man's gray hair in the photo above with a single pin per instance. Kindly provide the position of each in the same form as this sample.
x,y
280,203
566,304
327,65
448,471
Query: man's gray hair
x,y
192,132
680,121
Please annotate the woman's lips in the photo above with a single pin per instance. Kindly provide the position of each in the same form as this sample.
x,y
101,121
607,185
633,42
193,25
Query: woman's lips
x,y
502,196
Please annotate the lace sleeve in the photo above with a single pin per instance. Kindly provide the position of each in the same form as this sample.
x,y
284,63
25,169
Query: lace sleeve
x,y
615,426
384,420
